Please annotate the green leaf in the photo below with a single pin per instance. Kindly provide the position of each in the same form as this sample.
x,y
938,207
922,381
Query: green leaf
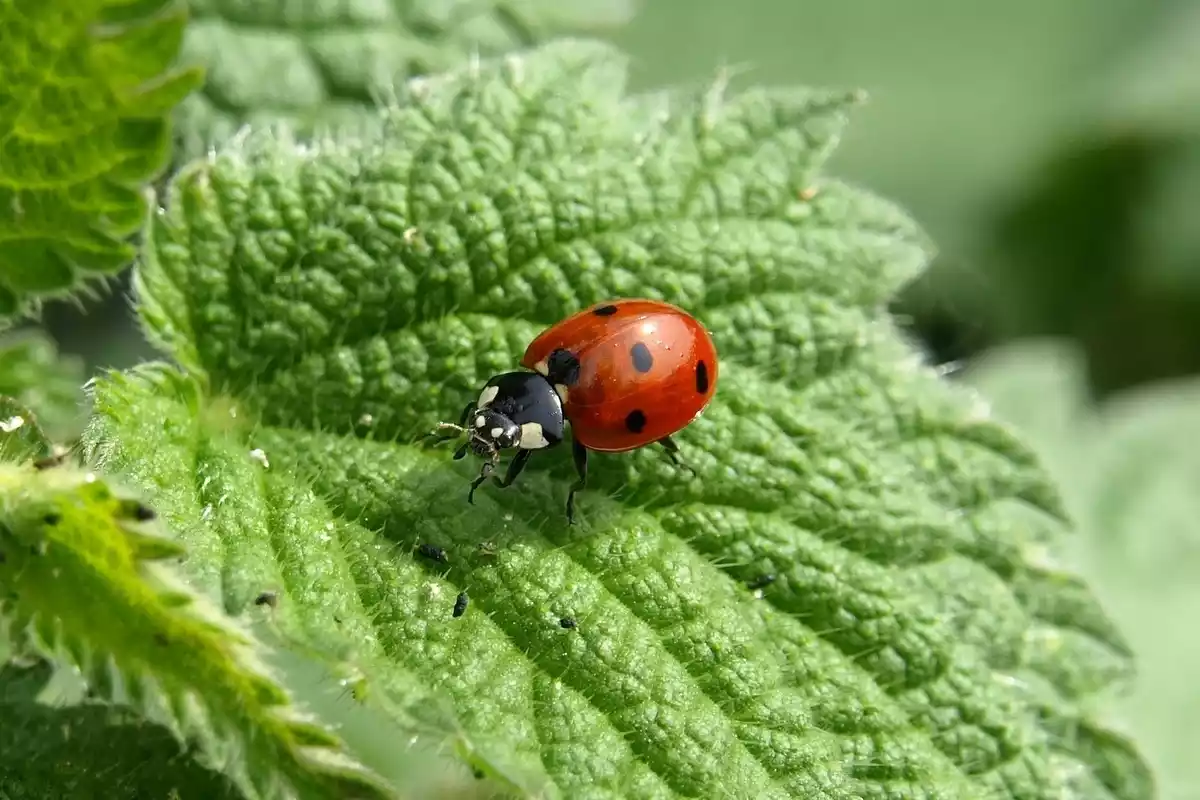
x,y
82,582
89,750
34,374
330,62
1129,469
83,118
332,302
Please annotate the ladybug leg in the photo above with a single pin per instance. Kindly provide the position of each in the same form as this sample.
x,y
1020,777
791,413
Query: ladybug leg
x,y
673,453
579,452
514,468
484,472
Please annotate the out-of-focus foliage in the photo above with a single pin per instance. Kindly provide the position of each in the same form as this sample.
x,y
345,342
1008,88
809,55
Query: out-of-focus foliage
x,y
33,373
1129,471
1104,246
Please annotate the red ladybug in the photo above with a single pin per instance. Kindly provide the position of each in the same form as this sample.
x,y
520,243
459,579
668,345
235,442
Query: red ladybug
x,y
624,373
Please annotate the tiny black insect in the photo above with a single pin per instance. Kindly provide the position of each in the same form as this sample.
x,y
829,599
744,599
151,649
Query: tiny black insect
x,y
143,513
267,599
432,552
52,518
567,622
761,582
460,604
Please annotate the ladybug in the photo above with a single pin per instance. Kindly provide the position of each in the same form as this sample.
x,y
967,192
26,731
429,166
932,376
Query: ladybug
x,y
623,373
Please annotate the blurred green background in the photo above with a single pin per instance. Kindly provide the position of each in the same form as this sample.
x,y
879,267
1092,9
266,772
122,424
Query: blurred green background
x,y
1051,149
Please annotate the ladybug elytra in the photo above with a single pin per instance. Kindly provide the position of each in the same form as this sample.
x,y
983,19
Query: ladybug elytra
x,y
623,373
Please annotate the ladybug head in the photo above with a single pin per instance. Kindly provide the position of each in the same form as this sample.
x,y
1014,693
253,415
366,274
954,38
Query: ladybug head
x,y
491,432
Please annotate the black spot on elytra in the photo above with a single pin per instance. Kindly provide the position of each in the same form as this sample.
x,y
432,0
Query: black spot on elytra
x,y
642,360
702,378
562,367
635,420
605,311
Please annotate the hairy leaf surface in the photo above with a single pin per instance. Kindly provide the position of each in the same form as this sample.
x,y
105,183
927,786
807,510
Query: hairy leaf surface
x,y
85,95
332,302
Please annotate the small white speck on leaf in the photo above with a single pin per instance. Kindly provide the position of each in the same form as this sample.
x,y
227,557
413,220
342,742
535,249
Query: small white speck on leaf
x,y
12,423
233,411
89,478
410,235
808,193
366,420
258,455
206,512
435,591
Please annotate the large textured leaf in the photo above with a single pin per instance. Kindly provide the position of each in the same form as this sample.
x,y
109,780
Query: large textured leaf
x,y
333,302
84,100
325,63
1130,469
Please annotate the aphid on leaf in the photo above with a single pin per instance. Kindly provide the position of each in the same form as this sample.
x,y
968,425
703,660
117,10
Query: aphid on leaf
x,y
460,604
624,374
567,622
432,552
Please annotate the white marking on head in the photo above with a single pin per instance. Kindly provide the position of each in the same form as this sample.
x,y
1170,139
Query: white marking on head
x,y
562,390
487,396
532,437
480,422
495,432
542,366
